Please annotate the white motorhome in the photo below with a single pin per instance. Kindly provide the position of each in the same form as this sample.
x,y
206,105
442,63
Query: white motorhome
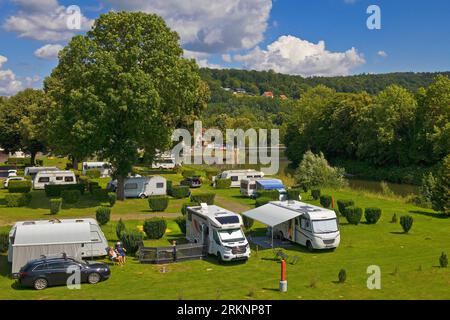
x,y
142,187
33,171
311,226
43,178
79,238
164,163
237,175
251,187
220,230
105,168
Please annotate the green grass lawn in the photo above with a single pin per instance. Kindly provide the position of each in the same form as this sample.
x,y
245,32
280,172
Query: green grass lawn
x,y
408,262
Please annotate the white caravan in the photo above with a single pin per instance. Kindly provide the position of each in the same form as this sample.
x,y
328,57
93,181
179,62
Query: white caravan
x,y
79,238
313,227
53,177
251,187
237,175
142,187
33,171
219,230
105,168
166,163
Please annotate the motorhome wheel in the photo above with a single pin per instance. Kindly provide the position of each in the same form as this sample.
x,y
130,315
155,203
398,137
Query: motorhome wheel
x,y
142,196
309,246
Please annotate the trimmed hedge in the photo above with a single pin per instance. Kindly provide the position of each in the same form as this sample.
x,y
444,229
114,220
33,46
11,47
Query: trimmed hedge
x,y
406,222
112,198
248,222
186,205
207,198
179,192
19,161
92,185
71,196
325,201
353,215
93,173
4,242
55,205
343,204
191,173
17,199
155,228
181,222
19,186
54,190
294,194
372,215
315,193
131,241
101,194
120,228
103,215
273,195
223,184
211,173
158,203
169,185
262,201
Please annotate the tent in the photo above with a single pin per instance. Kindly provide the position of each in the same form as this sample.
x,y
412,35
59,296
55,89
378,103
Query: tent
x,y
272,215
34,240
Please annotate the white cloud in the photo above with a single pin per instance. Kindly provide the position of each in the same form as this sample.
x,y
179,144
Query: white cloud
x,y
49,51
382,54
201,58
10,84
292,55
43,20
209,26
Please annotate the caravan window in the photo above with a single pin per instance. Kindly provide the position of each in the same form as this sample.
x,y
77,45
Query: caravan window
x,y
59,178
234,178
68,179
95,237
253,187
44,179
160,185
131,186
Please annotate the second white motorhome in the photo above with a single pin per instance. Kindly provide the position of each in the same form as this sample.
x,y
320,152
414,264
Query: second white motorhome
x,y
142,187
43,178
220,230
237,175
33,171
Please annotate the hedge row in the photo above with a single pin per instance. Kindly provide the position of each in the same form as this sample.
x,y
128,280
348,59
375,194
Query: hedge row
x,y
70,196
179,192
54,190
207,198
19,186
188,204
274,195
18,199
294,194
223,184
343,205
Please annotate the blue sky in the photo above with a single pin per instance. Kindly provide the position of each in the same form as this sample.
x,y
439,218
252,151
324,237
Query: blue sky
x,y
305,37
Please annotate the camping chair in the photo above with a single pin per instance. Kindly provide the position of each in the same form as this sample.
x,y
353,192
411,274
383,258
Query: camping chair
x,y
280,254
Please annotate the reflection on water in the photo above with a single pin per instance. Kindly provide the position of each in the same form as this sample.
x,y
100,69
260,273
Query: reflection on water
x,y
375,186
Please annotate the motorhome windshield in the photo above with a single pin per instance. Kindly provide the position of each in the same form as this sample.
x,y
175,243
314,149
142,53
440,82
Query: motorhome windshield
x,y
232,235
325,226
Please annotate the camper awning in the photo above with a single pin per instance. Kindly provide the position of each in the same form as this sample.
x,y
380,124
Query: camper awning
x,y
271,184
271,215
47,234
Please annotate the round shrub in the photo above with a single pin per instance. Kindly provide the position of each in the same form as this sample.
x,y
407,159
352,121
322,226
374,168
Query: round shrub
x,y
325,201
262,201
353,215
17,199
100,194
186,205
4,242
120,228
71,196
158,203
19,186
155,228
112,198
207,198
342,276
181,222
406,222
103,215
343,204
315,193
293,194
55,205
93,173
223,184
443,260
131,241
372,215
179,192
248,222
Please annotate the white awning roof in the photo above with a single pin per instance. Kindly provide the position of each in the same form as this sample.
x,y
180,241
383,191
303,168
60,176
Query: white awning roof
x,y
45,234
271,215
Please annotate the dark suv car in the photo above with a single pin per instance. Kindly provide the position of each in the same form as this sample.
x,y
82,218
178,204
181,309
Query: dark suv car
x,y
192,182
45,272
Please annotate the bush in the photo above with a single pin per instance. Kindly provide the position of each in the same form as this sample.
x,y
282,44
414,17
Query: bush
x,y
181,222
207,198
100,194
223,184
103,215
4,242
372,215
93,173
19,161
344,204
294,194
394,218
342,276
71,196
325,201
188,204
443,260
19,186
112,198
84,180
211,173
131,241
191,173
179,192
262,201
92,185
169,184
353,215
315,193
155,228
55,205
406,222
248,222
120,228
17,199
54,190
273,195
158,203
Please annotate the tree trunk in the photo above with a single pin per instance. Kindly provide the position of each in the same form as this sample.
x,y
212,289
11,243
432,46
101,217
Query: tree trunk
x,y
33,158
120,188
74,163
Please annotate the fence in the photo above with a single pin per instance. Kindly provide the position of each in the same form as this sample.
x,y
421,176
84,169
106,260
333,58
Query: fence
x,y
172,254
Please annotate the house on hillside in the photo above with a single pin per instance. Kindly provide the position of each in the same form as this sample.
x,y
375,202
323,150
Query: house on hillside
x,y
268,94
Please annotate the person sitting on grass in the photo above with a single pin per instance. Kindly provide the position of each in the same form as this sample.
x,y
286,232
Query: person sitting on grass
x,y
121,251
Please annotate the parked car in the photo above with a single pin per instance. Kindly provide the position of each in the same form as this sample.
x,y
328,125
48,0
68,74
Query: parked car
x,y
12,173
6,183
192,182
46,272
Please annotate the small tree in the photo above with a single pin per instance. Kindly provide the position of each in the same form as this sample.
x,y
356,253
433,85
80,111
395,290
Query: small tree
x,y
158,203
406,223
342,276
131,241
443,260
441,193
394,218
112,198
353,215
155,228
372,215
120,228
325,201
315,193
4,241
55,205
343,205
103,215
181,222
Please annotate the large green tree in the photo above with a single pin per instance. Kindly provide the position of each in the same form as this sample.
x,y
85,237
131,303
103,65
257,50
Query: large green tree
x,y
122,87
